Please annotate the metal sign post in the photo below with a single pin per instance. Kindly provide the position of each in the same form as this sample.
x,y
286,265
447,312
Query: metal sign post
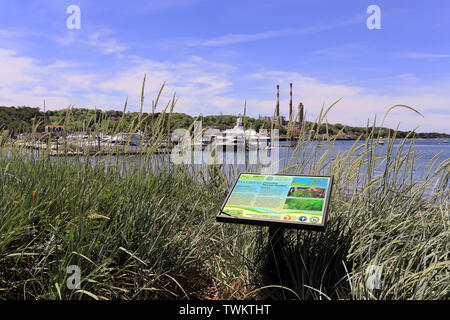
x,y
276,247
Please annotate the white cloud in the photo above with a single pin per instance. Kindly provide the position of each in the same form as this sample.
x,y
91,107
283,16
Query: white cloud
x,y
195,80
16,69
357,104
211,88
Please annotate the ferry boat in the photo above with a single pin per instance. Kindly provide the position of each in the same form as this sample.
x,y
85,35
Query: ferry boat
x,y
231,138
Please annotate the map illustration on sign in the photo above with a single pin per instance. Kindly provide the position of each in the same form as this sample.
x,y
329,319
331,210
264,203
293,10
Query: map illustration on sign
x,y
290,200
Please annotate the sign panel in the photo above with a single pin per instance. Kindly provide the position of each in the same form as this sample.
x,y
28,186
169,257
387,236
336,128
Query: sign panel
x,y
292,201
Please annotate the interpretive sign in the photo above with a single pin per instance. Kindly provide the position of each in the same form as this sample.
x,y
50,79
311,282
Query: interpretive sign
x,y
291,201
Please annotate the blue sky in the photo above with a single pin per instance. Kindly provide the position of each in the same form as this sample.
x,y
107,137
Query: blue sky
x,y
217,54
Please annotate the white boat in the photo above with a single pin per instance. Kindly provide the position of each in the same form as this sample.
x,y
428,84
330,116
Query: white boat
x,y
231,138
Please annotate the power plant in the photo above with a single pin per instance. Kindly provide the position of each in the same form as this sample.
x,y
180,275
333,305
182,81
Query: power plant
x,y
280,120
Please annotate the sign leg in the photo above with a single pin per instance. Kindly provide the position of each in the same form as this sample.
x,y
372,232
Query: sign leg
x,y
276,239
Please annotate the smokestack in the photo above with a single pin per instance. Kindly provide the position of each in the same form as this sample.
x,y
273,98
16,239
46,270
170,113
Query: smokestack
x,y
290,103
277,109
276,116
300,113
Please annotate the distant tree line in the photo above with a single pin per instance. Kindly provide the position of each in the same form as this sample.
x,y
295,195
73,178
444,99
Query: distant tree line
x,y
24,119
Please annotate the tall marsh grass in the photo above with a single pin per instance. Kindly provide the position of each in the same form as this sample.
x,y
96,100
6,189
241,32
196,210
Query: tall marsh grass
x,y
146,229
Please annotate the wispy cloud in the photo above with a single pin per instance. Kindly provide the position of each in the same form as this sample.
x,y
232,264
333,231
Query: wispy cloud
x,y
406,78
421,55
229,39
241,38
107,46
168,4
9,33
68,38
343,51
101,40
